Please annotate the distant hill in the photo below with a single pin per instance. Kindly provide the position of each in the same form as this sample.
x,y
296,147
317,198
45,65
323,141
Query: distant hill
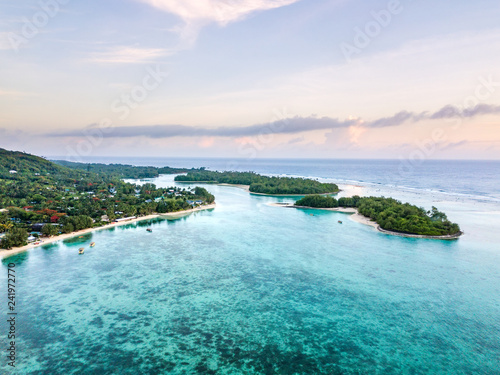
x,y
28,165
123,170
24,163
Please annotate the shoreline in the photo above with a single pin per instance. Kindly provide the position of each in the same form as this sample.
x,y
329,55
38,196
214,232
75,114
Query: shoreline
x,y
247,189
172,215
354,215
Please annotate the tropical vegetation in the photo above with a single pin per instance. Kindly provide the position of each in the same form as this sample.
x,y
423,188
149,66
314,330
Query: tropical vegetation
x,y
123,170
390,214
261,184
39,196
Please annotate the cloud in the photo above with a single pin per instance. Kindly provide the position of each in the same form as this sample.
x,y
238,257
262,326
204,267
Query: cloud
x,y
128,55
451,112
221,12
13,139
397,119
293,125
198,13
447,112
286,126
296,140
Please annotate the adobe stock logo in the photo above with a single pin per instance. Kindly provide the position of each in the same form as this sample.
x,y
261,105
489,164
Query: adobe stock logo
x,y
32,26
139,93
94,135
364,36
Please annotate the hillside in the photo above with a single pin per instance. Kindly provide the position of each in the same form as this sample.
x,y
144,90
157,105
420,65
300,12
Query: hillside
x,y
25,164
55,199
123,170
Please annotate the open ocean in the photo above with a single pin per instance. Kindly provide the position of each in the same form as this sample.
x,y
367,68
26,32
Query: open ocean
x,y
248,288
479,179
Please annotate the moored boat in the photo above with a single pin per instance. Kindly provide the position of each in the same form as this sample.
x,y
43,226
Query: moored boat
x,y
81,250
149,230
92,244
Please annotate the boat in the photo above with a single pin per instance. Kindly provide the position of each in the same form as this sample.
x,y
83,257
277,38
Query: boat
x,y
149,230
92,244
340,221
81,250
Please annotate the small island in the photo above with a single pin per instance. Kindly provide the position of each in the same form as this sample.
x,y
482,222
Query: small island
x,y
259,184
39,198
390,215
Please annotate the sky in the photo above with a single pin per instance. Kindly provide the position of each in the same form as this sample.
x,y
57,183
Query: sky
x,y
397,79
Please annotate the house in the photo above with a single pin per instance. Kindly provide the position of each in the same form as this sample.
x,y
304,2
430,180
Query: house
x,y
12,171
105,218
199,202
190,202
37,227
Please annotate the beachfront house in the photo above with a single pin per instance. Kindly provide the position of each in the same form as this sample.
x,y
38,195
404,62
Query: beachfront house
x,y
12,171
37,227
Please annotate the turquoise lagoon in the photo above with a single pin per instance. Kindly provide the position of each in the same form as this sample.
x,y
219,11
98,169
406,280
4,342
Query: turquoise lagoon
x,y
248,288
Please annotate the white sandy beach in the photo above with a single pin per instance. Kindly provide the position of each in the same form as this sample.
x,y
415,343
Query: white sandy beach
x,y
357,217
247,189
45,241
